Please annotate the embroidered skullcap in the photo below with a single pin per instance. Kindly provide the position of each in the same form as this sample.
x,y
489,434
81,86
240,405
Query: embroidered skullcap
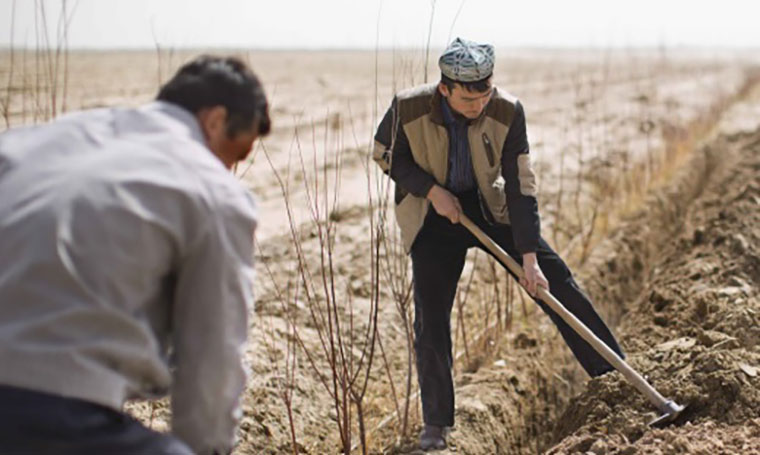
x,y
467,61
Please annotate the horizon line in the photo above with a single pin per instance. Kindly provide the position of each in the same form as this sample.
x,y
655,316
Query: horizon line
x,y
590,47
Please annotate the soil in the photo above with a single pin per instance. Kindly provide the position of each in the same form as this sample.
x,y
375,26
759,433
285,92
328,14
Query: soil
x,y
662,277
520,379
694,331
678,279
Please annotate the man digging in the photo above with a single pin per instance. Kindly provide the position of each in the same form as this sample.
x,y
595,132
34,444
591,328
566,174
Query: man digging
x,y
461,147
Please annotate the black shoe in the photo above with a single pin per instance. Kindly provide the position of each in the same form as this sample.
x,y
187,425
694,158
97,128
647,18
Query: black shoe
x,y
433,437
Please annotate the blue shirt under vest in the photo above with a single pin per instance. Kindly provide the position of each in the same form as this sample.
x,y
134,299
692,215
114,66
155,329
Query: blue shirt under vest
x,y
461,177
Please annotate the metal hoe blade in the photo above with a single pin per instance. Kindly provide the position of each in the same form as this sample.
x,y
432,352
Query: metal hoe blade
x,y
671,411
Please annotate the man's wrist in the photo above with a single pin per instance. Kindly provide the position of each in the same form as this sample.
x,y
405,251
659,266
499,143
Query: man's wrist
x,y
431,192
529,257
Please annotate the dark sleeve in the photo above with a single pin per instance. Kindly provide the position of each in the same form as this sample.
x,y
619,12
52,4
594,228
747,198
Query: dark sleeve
x,y
520,186
384,138
403,169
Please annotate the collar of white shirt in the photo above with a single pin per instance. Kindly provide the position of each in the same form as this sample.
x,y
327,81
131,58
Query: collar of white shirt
x,y
177,118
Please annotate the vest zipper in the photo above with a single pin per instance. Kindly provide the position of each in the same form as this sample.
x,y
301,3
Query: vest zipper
x,y
489,150
484,210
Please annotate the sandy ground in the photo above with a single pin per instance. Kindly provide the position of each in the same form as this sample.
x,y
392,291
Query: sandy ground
x,y
694,328
600,125
573,127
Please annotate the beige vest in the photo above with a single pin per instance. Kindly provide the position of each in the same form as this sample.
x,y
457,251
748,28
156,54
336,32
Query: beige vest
x,y
419,113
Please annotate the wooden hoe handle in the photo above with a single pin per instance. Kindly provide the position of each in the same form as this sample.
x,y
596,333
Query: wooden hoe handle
x,y
611,356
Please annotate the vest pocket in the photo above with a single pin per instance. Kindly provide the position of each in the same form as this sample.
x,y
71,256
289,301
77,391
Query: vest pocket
x,y
490,182
489,150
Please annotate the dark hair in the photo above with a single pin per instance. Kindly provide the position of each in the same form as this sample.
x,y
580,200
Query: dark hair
x,y
480,86
209,81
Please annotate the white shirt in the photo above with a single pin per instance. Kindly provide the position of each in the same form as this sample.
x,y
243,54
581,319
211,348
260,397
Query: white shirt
x,y
121,237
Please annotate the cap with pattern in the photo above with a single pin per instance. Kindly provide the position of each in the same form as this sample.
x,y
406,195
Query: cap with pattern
x,y
467,61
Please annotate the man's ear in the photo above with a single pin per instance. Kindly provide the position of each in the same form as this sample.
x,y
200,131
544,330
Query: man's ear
x,y
213,121
444,90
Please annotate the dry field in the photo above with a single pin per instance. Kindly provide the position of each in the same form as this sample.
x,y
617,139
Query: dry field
x,y
611,132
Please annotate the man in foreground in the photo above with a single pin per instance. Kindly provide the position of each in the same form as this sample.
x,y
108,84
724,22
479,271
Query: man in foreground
x,y
461,147
125,268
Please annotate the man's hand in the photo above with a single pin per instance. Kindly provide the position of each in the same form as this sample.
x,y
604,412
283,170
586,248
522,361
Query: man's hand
x,y
534,277
445,203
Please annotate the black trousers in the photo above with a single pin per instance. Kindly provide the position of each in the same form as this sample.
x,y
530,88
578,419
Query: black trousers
x,y
35,423
438,257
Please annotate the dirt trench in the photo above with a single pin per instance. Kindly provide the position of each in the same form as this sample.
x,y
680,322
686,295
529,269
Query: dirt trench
x,y
695,329
685,272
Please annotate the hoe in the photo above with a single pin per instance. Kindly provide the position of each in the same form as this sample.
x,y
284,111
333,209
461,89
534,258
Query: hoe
x,y
669,408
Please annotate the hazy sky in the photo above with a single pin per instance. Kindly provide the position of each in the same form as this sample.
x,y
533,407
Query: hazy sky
x,y
391,23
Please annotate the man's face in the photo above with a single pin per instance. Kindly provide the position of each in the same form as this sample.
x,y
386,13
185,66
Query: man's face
x,y
228,149
237,147
469,104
